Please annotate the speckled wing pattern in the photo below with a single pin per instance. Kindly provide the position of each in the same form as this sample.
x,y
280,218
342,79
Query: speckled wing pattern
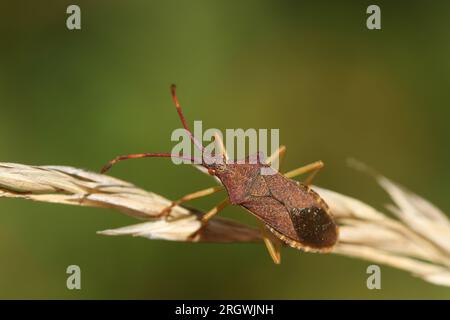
x,y
292,211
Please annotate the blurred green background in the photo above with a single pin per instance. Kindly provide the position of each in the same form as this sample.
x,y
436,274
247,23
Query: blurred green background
x,y
310,68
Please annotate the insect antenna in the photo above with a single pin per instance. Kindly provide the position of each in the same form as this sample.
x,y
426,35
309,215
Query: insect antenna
x,y
145,155
173,89
163,155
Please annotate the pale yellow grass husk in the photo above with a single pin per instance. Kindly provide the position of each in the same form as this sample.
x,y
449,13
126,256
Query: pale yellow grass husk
x,y
415,238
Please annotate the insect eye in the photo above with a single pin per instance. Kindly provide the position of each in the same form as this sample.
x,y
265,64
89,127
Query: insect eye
x,y
212,172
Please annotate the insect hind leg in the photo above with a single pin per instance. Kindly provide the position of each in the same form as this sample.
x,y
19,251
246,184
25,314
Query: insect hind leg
x,y
273,245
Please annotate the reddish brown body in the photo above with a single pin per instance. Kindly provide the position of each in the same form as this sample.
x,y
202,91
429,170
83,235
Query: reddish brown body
x,y
292,211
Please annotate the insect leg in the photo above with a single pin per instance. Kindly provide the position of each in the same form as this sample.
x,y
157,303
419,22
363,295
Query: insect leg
x,y
191,196
211,213
272,244
223,151
312,167
277,155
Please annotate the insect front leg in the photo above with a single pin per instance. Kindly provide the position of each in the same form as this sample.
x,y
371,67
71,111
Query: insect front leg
x,y
211,213
221,146
195,195
312,167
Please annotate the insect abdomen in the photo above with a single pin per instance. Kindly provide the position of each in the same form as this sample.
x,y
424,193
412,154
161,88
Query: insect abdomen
x,y
294,213
314,226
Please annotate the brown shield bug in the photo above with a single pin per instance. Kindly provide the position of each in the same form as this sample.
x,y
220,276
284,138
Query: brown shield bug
x,y
290,210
